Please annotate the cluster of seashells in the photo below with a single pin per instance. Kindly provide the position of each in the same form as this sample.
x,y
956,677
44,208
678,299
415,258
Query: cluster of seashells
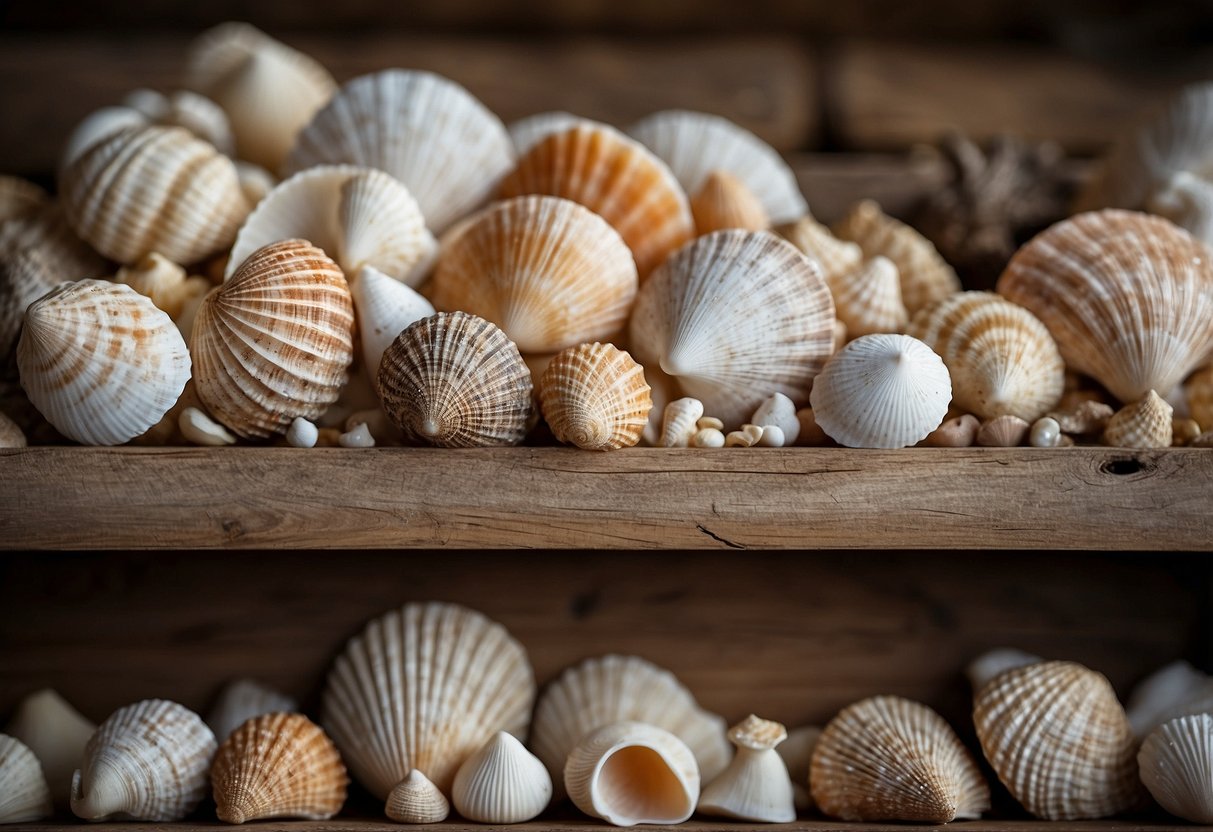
x,y
266,254
434,707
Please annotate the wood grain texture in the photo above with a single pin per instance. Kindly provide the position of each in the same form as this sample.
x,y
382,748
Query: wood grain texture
x,y
360,825
833,182
797,498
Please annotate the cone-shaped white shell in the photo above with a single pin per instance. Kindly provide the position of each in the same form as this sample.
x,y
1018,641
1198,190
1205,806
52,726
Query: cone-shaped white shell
x,y
679,422
385,308
1176,764
595,397
755,786
778,411
241,700
417,800
1141,424
1176,689
525,133
797,754
24,794
56,733
501,783
992,662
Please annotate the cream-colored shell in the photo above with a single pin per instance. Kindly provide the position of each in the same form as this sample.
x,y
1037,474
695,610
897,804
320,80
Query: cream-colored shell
x,y
20,198
1176,689
724,201
241,700
993,662
756,785
778,411
11,435
797,753
679,422
24,277
385,308
525,133
1176,764
868,299
1004,431
1142,424
24,794
183,108
957,432
1199,392
166,283
57,734
417,800
836,258
1087,417
501,783
97,125
595,397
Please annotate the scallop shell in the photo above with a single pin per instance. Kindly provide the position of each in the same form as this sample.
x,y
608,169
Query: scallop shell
x,y
724,201
889,759
165,283
416,800
24,277
24,795
595,397
993,662
275,341
1059,741
278,765
1176,689
601,691
196,113
148,761
696,144
268,90
836,258
755,786
616,178
423,129
1004,431
1128,298
100,361
882,391
501,783
1199,390
868,300
422,688
797,753
735,316
11,435
56,733
1142,424
386,307
1176,764
20,198
241,700
678,422
154,189
630,772
525,133
549,272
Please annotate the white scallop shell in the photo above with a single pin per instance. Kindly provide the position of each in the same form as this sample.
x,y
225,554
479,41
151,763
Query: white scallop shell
x,y
24,795
756,785
525,133
57,734
241,700
501,783
385,307
1176,764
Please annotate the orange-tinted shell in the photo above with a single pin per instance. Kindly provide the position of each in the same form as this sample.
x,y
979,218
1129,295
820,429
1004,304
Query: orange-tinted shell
x,y
595,397
724,201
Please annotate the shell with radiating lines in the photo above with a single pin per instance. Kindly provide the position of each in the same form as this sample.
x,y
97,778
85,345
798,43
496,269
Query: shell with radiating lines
x,y
24,277
526,132
837,258
24,794
594,396
1141,424
1176,764
868,299
501,783
756,785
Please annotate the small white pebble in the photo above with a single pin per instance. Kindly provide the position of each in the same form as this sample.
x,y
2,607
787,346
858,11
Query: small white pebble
x,y
747,437
710,423
201,429
708,438
778,411
1046,433
302,434
359,437
772,437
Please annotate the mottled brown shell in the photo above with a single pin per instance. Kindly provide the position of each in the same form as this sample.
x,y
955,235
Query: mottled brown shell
x,y
595,397
1143,424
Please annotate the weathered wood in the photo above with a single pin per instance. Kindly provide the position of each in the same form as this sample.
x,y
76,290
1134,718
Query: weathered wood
x,y
833,182
362,825
1025,498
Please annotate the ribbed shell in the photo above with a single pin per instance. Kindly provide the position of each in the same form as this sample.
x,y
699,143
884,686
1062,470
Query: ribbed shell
x,y
595,397
47,231
616,178
1006,431
1176,764
724,201
549,272
882,391
417,800
1199,389
501,783
24,277
97,125
993,662
1059,741
456,381
755,786
836,258
24,795
1142,424
56,733
165,283
11,435
196,113
385,307
20,198
423,129
526,132
241,700
1128,298
695,144
679,422
1001,358
100,361
868,300
889,759
148,761
423,687
274,342
735,316
149,189
278,765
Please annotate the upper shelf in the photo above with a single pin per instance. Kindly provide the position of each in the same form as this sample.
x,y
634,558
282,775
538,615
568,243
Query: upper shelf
x,y
586,825
558,498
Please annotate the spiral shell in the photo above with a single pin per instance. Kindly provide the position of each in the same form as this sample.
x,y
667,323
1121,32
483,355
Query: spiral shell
x,y
595,397
24,794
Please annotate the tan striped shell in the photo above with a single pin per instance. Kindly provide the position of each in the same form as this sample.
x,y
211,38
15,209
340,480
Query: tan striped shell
x,y
868,299
24,277
1199,389
415,799
836,258
24,793
1142,424
724,201
594,396
1176,764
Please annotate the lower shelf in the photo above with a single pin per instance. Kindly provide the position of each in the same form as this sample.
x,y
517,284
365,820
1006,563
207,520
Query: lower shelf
x,y
351,825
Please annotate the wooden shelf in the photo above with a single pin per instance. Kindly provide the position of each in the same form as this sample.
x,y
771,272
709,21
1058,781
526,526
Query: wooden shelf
x,y
543,497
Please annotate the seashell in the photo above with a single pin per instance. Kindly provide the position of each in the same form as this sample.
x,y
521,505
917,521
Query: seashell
x,y
147,761
1131,328
810,432
797,752
24,277
149,189
993,662
1199,391
1176,689
889,759
778,411
1001,357
302,434
358,436
24,794
166,283
840,335
957,432
47,233
724,201
868,300
241,700
268,90
1059,741
1183,431
416,800
616,178
925,276
255,181
422,688
630,772
456,381
695,145
1003,432
1045,433
1205,440
747,437
274,342
525,133
706,422
385,308
1083,419
609,689
97,126
1175,763
756,785
595,397
501,783
882,391
423,129
836,258
199,429
357,216
11,435
735,316
278,765
707,438
680,422
20,198
189,110
100,361
549,272
1142,424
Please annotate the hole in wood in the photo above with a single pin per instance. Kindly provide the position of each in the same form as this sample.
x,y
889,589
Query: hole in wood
x,y
1122,467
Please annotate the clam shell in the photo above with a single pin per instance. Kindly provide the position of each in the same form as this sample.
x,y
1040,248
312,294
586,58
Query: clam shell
x,y
385,307
24,795
1176,689
20,198
993,662
755,786
56,733
836,258
595,397
525,133
501,783
241,700
678,422
549,272
165,283
1176,764
1199,390
724,201
868,300
797,753
417,800
148,761
1004,431
11,435
1142,424
24,277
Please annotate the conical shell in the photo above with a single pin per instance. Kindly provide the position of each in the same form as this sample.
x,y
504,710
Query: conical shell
x,y
756,785
278,765
724,201
735,316
100,361
1142,424
1176,689
417,800
456,381
423,129
385,307
274,342
595,397
501,783
696,144
166,284
882,391
630,772
616,178
889,759
993,662
1199,390
56,733
24,795
778,411
836,258
679,422
24,277
868,300
11,435
1059,741
549,272
241,700
148,761
1128,298
154,189
797,753
525,133
268,90
1176,764
196,113
601,691
20,198
422,688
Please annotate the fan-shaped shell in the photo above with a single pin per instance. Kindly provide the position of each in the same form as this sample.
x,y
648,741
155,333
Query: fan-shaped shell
x,y
525,133
549,272
24,277
24,795
1199,390
148,761
724,201
735,316
423,129
887,758
755,786
57,734
1176,764
868,300
241,700
417,800
595,397
20,198
274,342
501,783
1142,424
616,178
385,307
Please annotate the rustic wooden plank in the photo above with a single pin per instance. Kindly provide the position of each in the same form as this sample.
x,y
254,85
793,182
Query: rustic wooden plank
x,y
833,182
366,825
1089,498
